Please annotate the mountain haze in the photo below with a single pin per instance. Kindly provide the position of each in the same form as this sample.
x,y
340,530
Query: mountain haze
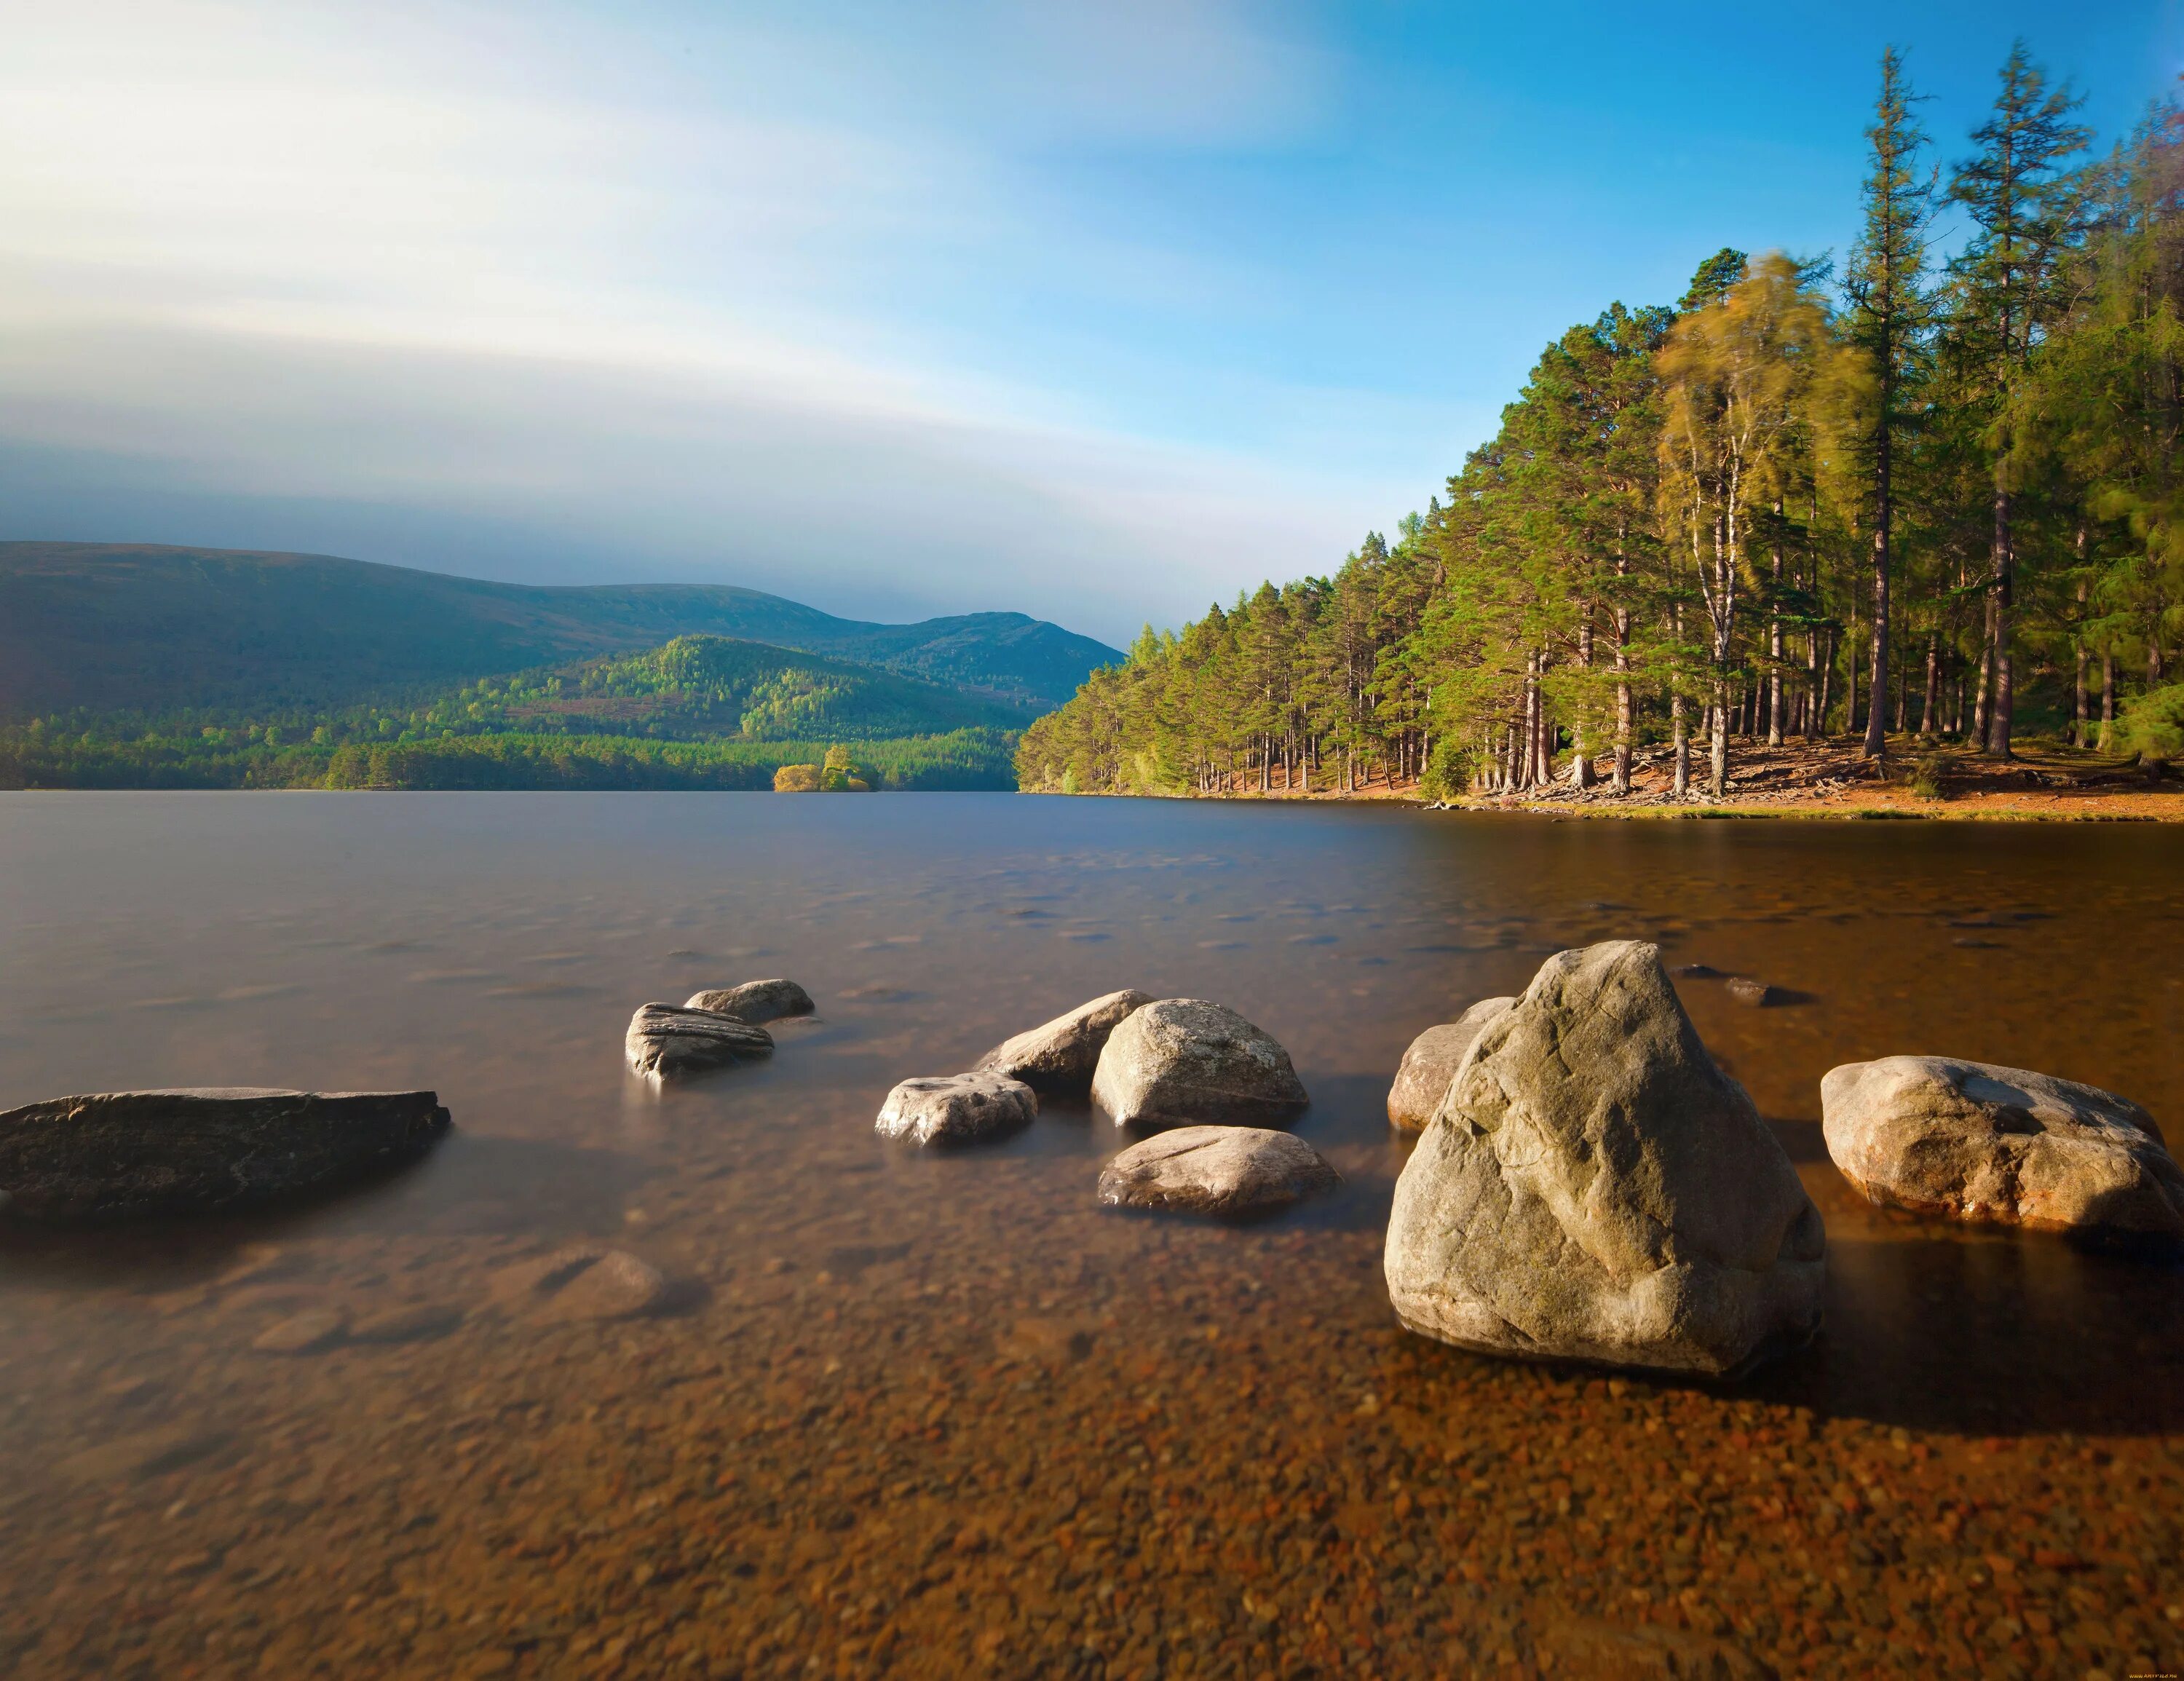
x,y
129,627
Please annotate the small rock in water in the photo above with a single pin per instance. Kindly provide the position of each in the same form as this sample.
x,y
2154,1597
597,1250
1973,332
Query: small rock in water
x,y
2002,1146
1422,1078
1594,1187
1217,1170
616,1286
1745,990
754,1001
305,1332
1183,1061
957,1108
130,1155
665,1043
1061,1055
1696,972
148,1453
581,1281
415,1322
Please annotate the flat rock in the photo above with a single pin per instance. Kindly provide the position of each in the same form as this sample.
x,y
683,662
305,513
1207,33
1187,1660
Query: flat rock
x,y
122,1156
2003,1146
1422,1078
957,1108
665,1043
1183,1061
1217,1170
754,1001
304,1333
1593,1188
1061,1055
1745,990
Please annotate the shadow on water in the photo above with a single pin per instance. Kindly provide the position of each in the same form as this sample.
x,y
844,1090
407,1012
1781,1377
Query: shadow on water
x,y
469,1185
1992,1335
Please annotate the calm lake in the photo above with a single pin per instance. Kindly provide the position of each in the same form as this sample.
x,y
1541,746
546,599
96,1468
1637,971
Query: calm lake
x,y
943,1416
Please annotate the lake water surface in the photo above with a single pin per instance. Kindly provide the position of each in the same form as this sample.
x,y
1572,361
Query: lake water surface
x,y
943,1416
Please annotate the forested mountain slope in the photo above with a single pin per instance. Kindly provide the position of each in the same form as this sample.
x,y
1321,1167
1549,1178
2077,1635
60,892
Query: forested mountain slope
x,y
131,628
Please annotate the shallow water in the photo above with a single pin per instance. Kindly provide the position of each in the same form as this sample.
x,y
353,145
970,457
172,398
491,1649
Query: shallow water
x,y
931,1417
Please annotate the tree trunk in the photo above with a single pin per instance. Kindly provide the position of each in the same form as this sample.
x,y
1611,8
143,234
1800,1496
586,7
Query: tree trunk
x,y
1999,717
1877,708
2108,699
1827,682
1718,766
1775,642
2080,726
1850,692
1928,722
1580,771
1683,735
1623,708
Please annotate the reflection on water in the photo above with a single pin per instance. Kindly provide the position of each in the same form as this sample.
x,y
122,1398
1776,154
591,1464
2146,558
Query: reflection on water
x,y
935,1415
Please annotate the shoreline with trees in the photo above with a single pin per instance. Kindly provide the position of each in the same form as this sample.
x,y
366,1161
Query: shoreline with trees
x,y
1931,510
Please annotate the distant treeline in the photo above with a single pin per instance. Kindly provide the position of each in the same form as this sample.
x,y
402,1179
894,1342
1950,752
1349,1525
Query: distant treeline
x,y
1939,496
43,756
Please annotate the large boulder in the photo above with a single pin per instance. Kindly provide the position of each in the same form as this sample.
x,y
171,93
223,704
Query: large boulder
x,y
1217,1170
1422,1077
1183,1062
957,1108
665,1043
123,1155
2004,1146
1594,1187
754,1001
1061,1054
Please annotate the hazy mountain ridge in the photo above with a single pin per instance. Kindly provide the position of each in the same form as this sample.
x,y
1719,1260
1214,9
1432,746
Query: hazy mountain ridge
x,y
144,628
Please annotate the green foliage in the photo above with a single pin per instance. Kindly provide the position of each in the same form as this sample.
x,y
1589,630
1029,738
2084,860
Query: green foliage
x,y
1721,519
2153,725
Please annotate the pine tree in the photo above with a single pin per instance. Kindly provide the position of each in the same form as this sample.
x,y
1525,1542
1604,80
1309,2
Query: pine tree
x,y
2027,212
1888,318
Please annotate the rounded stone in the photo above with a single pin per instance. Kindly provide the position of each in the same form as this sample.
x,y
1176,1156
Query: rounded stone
x,y
1217,1170
957,1108
1184,1061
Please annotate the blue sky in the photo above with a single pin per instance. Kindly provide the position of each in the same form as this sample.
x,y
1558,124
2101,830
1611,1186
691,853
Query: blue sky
x,y
1098,311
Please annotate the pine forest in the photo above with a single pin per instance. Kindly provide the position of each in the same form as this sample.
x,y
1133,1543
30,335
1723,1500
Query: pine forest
x,y
1926,494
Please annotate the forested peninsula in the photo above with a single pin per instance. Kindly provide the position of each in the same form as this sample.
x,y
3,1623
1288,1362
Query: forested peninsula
x,y
1923,507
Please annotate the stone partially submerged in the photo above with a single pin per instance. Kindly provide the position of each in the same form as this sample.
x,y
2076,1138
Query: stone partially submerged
x,y
1593,1188
1183,1061
1217,1170
1061,1055
665,1044
2003,1146
957,1108
121,1156
1422,1077
754,1001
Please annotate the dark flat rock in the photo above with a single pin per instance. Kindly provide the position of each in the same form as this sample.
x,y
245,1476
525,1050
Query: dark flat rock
x,y
124,1155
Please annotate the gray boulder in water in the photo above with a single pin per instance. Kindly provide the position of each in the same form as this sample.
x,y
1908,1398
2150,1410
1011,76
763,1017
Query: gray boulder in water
x,y
121,1156
1183,1061
754,1001
665,1043
1217,1170
957,1108
2003,1146
1061,1055
1594,1187
1422,1077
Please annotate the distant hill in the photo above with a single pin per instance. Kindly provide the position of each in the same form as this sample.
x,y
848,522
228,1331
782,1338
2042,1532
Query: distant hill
x,y
707,688
124,627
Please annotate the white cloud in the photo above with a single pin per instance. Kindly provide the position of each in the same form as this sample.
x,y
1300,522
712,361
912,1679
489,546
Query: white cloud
x,y
532,272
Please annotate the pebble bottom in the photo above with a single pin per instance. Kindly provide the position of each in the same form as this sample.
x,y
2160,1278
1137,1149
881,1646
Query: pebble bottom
x,y
904,1459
